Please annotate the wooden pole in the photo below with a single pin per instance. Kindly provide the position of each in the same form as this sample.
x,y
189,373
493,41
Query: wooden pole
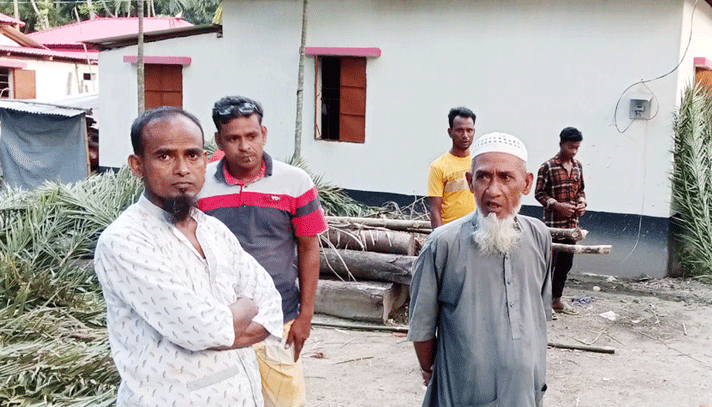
x,y
140,72
361,327
393,224
356,264
581,249
373,240
587,348
573,234
424,226
300,84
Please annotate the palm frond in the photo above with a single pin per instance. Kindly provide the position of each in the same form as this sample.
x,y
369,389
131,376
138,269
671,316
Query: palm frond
x,y
692,180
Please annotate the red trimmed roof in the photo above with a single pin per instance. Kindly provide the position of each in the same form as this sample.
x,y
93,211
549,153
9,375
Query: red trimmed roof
x,y
5,19
6,50
103,27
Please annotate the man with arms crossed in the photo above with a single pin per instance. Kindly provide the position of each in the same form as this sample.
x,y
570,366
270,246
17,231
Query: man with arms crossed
x,y
273,209
184,301
560,189
481,291
449,196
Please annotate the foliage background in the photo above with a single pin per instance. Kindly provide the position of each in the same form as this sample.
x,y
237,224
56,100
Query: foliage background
x,y
54,349
61,12
692,181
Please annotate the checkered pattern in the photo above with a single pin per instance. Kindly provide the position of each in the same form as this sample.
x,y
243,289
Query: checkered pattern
x,y
553,181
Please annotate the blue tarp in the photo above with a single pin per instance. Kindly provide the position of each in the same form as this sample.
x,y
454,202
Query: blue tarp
x,y
39,143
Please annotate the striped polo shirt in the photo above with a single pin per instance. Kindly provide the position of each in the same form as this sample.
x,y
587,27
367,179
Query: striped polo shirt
x,y
267,215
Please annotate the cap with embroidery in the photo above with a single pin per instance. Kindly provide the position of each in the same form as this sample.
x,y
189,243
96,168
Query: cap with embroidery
x,y
499,143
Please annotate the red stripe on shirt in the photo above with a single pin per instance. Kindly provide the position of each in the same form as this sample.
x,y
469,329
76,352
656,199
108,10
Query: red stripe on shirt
x,y
275,201
307,197
310,224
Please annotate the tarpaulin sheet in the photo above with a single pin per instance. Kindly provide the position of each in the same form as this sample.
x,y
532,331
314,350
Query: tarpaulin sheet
x,y
38,147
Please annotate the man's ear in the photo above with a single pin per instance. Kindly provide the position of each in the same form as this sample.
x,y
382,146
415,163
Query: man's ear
x,y
264,133
529,181
136,165
218,140
449,132
468,177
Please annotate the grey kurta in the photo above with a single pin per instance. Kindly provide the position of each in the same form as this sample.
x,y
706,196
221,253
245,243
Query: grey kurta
x,y
488,313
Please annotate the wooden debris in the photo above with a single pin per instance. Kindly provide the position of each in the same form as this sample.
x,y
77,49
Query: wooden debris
x,y
581,249
374,240
393,224
371,301
573,234
596,349
361,327
350,264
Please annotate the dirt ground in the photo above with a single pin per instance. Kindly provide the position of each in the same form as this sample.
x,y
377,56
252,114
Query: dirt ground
x,y
661,334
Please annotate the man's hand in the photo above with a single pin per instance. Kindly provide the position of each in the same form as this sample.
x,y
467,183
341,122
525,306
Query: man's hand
x,y
580,208
435,207
426,376
298,333
565,209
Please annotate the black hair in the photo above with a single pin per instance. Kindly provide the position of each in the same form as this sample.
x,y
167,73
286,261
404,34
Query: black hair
x,y
225,109
462,112
570,134
159,113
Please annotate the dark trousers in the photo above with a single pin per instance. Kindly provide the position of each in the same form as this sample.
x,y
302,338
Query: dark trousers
x,y
561,263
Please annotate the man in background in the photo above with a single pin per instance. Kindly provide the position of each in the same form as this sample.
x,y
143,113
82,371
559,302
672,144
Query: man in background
x,y
560,189
273,209
449,196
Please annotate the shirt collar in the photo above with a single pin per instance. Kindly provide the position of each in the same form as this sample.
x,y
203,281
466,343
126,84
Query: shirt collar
x,y
223,176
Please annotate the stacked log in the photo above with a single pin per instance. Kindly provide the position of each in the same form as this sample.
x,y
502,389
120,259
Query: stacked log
x,y
366,264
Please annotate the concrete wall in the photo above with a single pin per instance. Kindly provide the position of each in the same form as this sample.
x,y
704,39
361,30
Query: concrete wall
x,y
56,79
208,77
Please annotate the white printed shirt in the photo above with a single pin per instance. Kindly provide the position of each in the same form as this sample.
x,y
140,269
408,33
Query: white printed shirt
x,y
167,305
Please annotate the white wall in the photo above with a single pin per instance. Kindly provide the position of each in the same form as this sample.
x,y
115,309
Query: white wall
x,y
55,79
525,67
202,84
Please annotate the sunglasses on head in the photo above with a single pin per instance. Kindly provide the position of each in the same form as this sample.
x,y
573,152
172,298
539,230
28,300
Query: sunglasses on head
x,y
244,109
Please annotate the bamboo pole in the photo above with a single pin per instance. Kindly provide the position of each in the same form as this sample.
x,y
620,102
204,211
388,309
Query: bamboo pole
x,y
393,224
362,327
424,226
581,249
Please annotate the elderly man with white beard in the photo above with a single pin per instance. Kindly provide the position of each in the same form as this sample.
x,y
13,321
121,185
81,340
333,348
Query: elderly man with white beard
x,y
481,291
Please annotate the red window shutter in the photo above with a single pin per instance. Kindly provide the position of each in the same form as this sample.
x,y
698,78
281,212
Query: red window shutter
x,y
352,110
24,84
164,85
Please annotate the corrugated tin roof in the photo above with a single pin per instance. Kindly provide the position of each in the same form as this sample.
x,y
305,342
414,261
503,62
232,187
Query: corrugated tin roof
x,y
41,108
103,27
92,55
132,39
5,19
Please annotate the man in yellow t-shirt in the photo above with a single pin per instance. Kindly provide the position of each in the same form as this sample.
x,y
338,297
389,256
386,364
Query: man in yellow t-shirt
x,y
449,196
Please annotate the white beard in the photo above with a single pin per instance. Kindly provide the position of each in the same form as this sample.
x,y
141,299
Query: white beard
x,y
496,236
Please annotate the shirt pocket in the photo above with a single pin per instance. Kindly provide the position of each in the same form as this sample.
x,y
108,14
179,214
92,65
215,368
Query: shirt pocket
x,y
451,284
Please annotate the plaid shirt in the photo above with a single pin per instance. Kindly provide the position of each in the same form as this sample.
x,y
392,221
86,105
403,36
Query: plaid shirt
x,y
555,184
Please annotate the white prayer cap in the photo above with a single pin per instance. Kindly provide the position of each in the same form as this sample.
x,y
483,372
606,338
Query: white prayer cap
x,y
499,143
